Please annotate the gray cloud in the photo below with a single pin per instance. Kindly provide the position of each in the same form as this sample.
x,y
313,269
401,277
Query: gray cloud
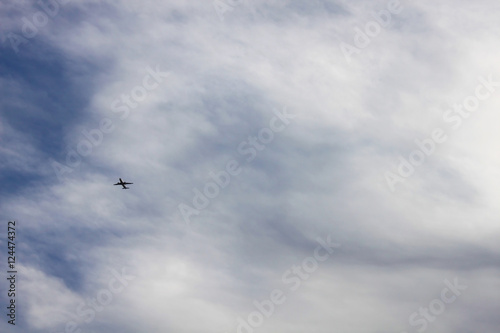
x,y
322,175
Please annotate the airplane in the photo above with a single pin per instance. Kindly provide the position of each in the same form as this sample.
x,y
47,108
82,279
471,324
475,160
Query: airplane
x,y
122,183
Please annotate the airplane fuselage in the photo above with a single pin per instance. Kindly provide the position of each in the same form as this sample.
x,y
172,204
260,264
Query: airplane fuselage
x,y
122,183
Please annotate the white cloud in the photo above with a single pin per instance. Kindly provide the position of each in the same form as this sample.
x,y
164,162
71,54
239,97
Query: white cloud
x,y
324,174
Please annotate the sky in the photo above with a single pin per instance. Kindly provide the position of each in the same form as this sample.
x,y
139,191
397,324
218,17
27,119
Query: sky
x,y
297,166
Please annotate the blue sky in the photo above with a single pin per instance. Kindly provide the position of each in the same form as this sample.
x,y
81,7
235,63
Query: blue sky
x,y
255,133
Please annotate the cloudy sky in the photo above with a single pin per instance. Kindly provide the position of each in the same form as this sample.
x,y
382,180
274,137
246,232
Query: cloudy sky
x,y
298,166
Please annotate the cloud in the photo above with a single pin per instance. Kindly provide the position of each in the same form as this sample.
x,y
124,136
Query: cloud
x,y
83,72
